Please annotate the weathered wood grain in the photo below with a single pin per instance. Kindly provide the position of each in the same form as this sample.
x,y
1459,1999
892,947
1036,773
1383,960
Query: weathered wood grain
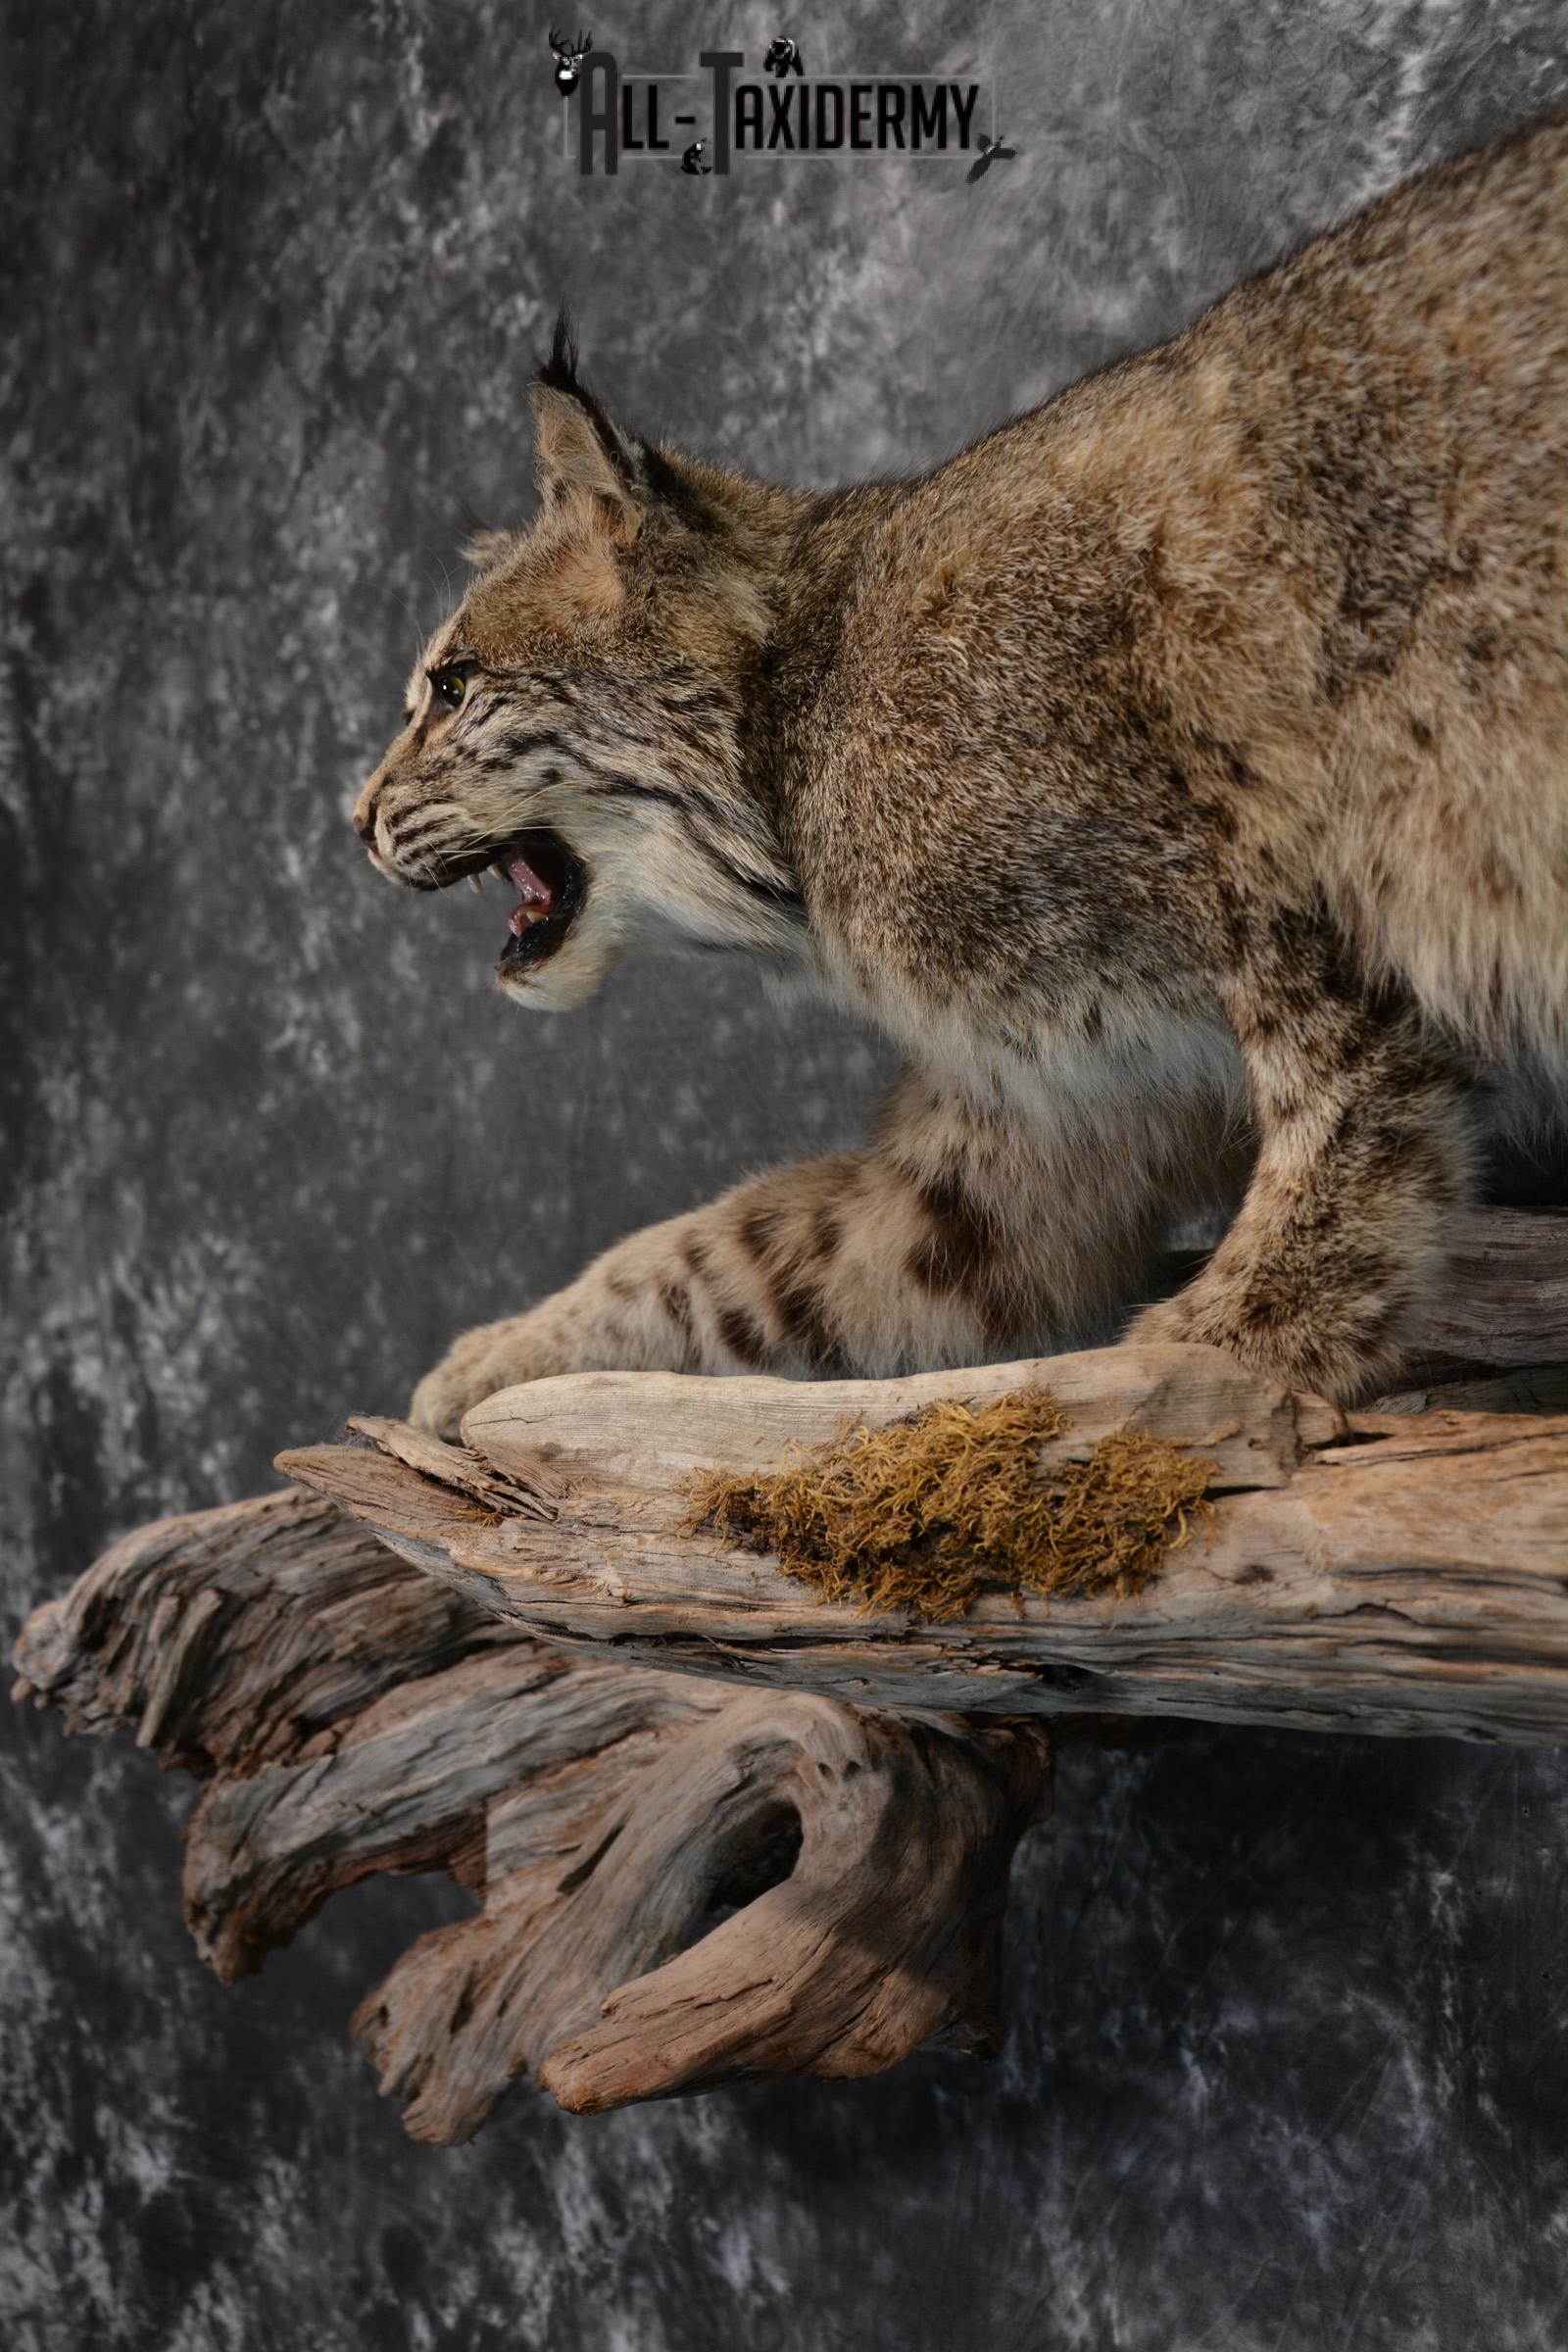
x,y
455,1657
1502,1304
348,1715
1370,1572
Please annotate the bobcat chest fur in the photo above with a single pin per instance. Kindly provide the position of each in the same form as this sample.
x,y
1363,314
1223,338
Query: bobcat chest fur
x,y
1179,774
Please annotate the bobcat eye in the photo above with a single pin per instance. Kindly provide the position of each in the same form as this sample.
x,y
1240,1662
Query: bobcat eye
x,y
451,685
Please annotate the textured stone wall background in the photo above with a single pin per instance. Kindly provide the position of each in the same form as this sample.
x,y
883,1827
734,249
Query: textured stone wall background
x,y
1289,2066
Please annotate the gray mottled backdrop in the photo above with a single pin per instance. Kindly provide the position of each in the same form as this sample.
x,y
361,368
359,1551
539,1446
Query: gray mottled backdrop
x,y
1288,2066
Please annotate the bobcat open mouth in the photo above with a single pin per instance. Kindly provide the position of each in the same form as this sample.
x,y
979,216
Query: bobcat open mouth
x,y
551,886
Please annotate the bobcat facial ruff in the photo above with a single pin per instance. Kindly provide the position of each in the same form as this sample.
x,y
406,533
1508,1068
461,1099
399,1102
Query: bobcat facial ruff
x,y
1179,774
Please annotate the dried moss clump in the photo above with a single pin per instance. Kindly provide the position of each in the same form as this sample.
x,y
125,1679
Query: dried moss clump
x,y
930,1512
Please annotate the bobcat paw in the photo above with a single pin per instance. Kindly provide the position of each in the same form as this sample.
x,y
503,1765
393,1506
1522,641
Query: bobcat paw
x,y
472,1368
1318,1357
1190,1320
1159,1326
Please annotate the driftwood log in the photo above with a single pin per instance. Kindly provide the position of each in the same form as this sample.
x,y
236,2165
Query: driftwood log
x,y
1367,1572
350,1715
791,1856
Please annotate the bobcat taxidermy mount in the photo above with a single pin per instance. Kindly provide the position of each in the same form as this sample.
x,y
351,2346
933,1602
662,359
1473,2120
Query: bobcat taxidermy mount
x,y
1180,775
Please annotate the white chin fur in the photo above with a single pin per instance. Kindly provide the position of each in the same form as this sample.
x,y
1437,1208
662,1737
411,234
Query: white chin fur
x,y
566,979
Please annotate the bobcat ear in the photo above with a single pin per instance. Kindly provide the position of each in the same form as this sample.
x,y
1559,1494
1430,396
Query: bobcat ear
x,y
579,448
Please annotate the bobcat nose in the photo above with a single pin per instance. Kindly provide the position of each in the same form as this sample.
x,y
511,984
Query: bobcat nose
x,y
363,820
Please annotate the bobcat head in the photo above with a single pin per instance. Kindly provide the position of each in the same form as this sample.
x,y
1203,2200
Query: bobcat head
x,y
585,722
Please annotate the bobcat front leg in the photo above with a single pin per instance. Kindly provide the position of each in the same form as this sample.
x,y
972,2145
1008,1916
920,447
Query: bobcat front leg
x,y
1365,1149
955,1236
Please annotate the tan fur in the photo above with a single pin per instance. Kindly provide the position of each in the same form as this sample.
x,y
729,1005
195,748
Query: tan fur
x,y
1179,774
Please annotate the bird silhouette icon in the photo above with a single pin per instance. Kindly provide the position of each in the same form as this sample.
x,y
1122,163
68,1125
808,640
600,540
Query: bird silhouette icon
x,y
991,151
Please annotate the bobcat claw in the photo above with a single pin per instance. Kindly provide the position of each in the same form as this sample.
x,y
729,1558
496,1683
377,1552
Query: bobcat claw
x,y
472,1368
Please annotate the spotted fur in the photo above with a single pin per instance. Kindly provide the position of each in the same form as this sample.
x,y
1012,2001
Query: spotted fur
x,y
1180,775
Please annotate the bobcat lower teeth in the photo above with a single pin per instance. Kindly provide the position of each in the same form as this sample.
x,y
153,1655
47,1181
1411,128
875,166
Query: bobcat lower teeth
x,y
538,893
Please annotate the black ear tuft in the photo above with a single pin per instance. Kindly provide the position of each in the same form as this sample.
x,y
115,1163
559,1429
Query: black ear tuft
x,y
563,448
559,371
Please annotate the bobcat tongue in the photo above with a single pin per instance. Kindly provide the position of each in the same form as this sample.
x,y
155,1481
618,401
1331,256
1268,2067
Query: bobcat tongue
x,y
536,897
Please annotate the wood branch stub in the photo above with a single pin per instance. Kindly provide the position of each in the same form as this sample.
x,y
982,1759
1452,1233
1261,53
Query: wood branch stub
x,y
1502,1304
349,1715
1368,1572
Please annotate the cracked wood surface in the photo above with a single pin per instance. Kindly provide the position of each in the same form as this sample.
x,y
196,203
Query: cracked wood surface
x,y
455,1658
348,1715
1376,1571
